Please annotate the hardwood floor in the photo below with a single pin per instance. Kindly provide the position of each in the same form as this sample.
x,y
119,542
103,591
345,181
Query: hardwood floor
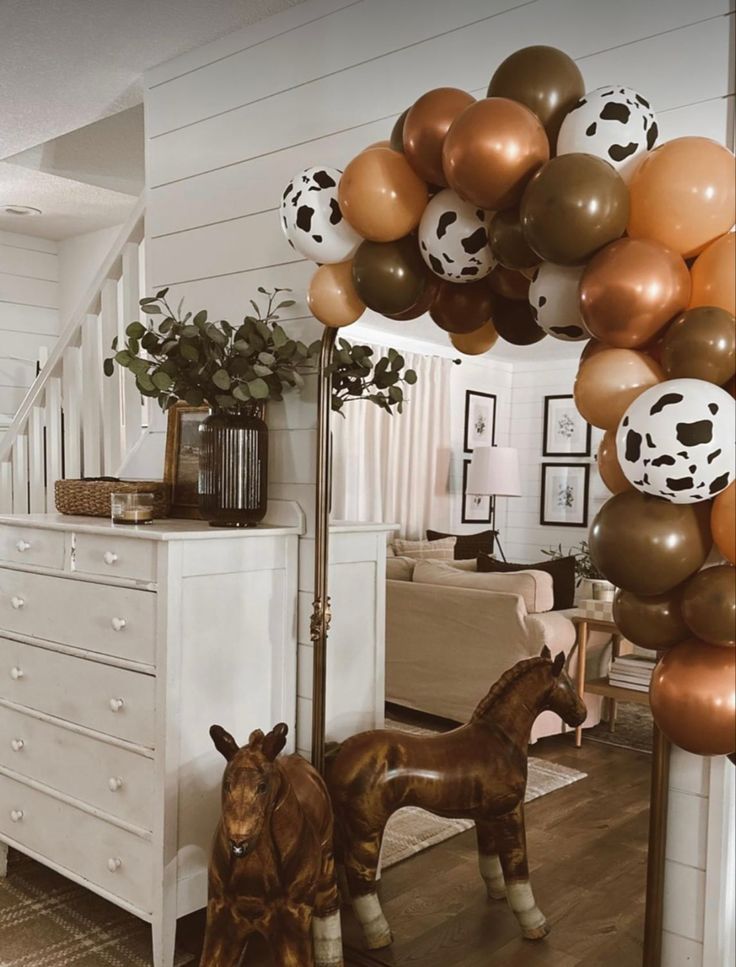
x,y
587,852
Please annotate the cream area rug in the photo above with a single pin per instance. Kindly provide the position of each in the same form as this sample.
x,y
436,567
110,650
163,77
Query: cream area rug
x,y
411,830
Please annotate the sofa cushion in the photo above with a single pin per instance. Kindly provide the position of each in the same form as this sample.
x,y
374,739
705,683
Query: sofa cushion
x,y
426,550
400,568
535,587
468,545
562,570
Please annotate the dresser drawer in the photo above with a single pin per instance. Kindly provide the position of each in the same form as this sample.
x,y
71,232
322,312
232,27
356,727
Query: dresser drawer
x,y
30,545
109,857
96,617
114,556
115,780
110,700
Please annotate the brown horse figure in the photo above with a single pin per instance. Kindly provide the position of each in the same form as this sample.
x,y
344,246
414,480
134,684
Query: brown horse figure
x,y
477,771
272,869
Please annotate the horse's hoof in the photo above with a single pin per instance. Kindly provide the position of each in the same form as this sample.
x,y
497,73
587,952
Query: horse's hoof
x,y
536,933
379,941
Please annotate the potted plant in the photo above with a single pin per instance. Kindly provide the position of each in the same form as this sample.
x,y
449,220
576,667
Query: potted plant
x,y
235,371
587,575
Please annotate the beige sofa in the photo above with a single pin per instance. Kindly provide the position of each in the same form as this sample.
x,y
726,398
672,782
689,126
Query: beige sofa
x,y
452,632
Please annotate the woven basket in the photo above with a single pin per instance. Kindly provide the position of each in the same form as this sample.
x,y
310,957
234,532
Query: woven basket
x,y
90,497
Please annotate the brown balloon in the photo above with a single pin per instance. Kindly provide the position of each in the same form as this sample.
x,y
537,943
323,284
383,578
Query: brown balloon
x,y
508,283
331,296
381,196
573,206
515,322
492,150
543,78
709,605
426,127
648,545
631,289
693,697
608,466
475,343
654,622
397,132
390,277
723,522
423,304
507,241
461,308
701,344
611,379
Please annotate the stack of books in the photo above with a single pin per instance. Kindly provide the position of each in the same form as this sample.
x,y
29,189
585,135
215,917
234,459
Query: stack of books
x,y
632,671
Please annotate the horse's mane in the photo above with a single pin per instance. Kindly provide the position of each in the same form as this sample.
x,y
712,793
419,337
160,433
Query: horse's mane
x,y
508,678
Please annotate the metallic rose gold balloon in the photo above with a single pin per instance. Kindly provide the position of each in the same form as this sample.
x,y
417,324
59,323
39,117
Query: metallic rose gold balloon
x,y
475,343
693,697
631,289
381,196
654,622
426,126
709,605
609,380
492,150
608,466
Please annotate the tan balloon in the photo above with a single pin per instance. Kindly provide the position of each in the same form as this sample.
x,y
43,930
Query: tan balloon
x,y
475,343
609,381
723,522
608,466
713,275
332,298
381,196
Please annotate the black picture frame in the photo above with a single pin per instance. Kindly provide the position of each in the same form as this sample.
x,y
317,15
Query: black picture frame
x,y
547,471
583,426
469,394
482,516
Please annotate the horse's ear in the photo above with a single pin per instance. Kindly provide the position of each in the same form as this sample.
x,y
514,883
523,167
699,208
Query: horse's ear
x,y
224,742
558,664
275,741
255,739
546,653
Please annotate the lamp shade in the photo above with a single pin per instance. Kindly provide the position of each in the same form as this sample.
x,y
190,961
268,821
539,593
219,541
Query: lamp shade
x,y
494,471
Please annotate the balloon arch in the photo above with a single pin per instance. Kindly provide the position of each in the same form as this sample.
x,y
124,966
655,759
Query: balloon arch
x,y
542,211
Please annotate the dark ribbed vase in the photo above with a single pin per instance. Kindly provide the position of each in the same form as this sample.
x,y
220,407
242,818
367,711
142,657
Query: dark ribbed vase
x,y
233,469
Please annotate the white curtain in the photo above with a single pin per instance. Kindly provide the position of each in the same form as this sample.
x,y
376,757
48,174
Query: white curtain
x,y
395,467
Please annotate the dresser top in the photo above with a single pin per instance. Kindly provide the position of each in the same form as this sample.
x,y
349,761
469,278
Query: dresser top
x,y
160,530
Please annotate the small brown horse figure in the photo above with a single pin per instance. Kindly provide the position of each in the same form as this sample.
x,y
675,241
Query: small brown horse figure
x,y
272,869
477,771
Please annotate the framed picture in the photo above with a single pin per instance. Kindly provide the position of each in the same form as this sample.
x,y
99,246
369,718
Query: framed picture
x,y
480,420
476,509
565,494
181,467
566,433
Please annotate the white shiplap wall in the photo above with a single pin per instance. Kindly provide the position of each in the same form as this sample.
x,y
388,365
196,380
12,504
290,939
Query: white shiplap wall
x,y
29,316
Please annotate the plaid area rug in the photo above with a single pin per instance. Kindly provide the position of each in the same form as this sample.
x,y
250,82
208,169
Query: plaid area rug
x,y
634,729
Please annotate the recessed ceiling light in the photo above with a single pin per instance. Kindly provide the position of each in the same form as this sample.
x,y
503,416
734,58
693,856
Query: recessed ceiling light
x,y
20,210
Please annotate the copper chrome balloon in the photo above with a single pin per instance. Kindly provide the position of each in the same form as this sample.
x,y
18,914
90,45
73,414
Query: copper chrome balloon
x,y
425,127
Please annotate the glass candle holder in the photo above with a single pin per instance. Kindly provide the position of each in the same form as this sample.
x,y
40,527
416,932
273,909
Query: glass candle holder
x,y
131,508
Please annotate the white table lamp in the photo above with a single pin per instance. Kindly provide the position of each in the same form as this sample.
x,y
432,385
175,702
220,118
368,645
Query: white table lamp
x,y
494,472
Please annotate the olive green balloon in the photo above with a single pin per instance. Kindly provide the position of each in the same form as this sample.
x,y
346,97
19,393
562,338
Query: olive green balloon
x,y
573,206
390,277
507,241
701,344
514,321
646,544
709,605
655,622
397,132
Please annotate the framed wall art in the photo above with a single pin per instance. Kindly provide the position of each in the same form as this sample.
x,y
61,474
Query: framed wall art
x,y
181,466
566,433
480,420
565,494
476,508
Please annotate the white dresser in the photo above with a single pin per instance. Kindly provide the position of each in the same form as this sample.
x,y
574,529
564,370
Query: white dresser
x,y
119,647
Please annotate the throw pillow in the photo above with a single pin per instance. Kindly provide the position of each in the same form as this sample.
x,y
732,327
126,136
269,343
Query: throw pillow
x,y
468,545
534,587
400,568
562,570
425,550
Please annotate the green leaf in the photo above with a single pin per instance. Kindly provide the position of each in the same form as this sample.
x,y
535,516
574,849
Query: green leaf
x,y
286,304
152,310
215,336
259,389
225,402
145,384
135,330
162,293
242,393
114,343
241,346
150,343
201,318
108,367
139,366
194,396
166,325
262,370
410,377
133,346
189,332
221,379
268,359
189,352
395,393
123,358
162,380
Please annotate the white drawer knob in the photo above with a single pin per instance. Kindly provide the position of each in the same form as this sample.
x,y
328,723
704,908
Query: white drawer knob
x,y
110,557
22,545
16,815
115,784
118,624
116,704
17,745
114,864
17,602
16,673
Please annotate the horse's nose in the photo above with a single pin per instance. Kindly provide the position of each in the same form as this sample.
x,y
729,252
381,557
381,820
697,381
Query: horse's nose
x,y
238,847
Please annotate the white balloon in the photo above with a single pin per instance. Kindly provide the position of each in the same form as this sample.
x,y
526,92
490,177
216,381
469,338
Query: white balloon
x,y
613,123
312,220
676,441
453,238
555,301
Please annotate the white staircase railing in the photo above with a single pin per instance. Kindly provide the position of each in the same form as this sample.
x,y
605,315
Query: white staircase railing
x,y
74,421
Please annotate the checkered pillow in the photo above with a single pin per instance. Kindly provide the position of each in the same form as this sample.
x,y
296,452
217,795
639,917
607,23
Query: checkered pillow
x,y
442,550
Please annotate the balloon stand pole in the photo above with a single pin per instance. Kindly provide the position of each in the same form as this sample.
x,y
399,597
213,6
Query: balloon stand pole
x,y
656,856
321,615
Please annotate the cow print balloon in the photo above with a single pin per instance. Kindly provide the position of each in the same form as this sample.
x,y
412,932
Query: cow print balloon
x,y
312,220
613,123
676,441
555,301
453,238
